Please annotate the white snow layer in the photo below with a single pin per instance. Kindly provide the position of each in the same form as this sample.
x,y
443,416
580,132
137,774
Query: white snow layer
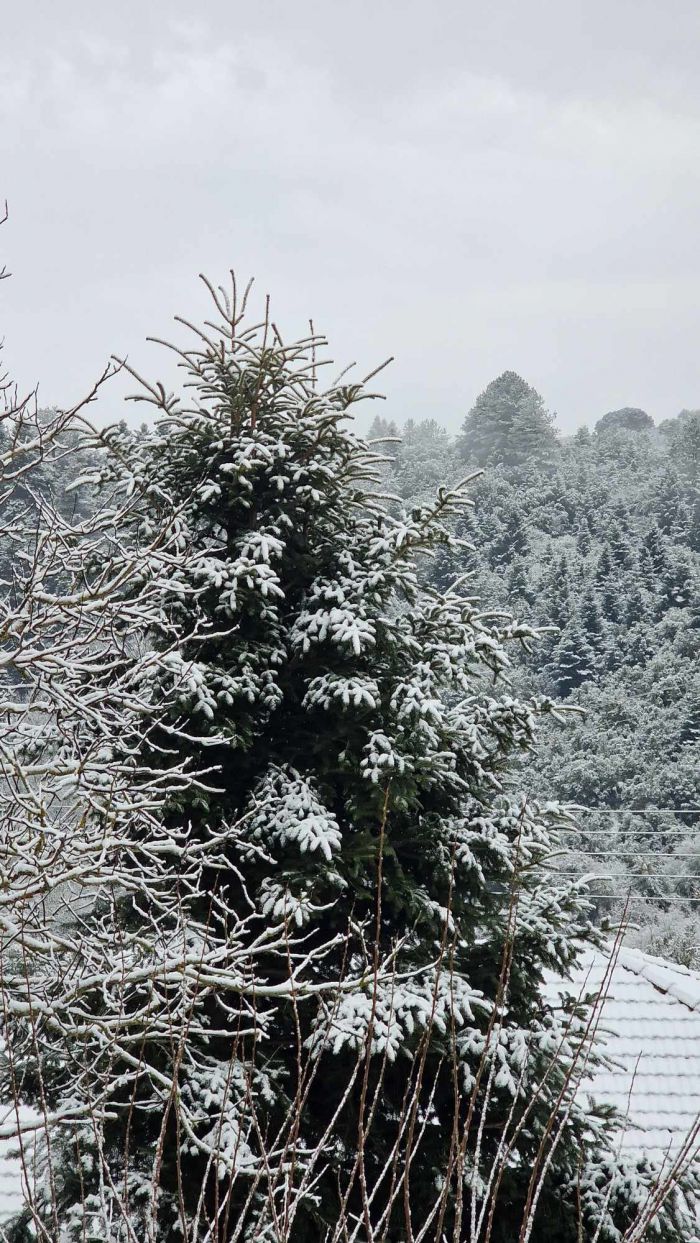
x,y
12,1195
648,1027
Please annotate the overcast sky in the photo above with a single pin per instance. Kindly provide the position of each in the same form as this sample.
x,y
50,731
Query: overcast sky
x,y
469,185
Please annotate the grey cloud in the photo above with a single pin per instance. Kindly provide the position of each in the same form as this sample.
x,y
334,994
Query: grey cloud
x,y
468,187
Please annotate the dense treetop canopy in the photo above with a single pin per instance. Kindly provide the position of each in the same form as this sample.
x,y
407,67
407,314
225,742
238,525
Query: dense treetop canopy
x,y
602,543
629,418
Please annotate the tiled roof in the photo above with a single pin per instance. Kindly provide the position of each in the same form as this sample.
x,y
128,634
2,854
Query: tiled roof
x,y
649,1030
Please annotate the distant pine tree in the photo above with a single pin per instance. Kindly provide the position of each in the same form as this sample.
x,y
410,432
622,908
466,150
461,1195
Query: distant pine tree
x,y
604,569
654,545
670,499
583,541
629,419
678,585
690,728
610,602
508,424
382,429
519,586
684,445
694,526
555,599
512,542
620,551
424,459
637,649
573,661
592,622
635,609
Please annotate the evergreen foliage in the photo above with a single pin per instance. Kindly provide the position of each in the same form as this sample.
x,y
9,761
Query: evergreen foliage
x,y
337,909
508,425
609,557
629,418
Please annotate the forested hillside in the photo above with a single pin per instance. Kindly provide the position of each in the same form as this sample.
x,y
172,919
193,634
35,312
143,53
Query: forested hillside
x,y
596,539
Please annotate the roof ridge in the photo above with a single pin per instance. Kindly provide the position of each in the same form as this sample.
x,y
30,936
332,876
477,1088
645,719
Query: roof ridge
x,y
675,981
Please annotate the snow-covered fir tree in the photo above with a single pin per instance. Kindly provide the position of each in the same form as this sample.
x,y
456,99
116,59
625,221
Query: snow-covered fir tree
x,y
298,997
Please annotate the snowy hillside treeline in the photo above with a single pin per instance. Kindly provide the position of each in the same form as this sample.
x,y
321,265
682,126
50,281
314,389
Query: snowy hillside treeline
x,y
598,537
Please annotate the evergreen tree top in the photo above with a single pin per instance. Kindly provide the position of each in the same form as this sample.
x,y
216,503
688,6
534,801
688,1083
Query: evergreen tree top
x,y
509,385
508,424
629,418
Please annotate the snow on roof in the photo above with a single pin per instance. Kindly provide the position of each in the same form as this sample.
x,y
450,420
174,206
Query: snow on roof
x,y
649,1030
12,1196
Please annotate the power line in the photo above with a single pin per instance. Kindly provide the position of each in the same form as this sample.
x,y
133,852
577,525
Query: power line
x,y
637,832
643,854
640,897
602,875
633,811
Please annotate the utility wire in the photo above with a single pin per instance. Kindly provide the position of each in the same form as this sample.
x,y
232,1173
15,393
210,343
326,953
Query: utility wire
x,y
641,854
636,832
622,878
633,811
640,898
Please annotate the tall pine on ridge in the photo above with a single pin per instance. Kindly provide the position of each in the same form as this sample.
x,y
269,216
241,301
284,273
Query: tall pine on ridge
x,y
508,424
